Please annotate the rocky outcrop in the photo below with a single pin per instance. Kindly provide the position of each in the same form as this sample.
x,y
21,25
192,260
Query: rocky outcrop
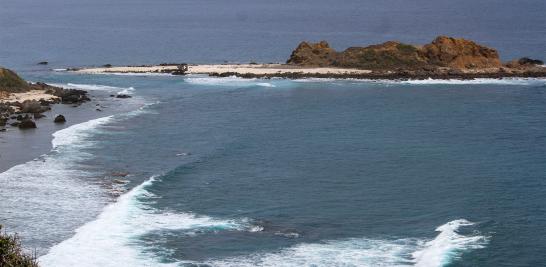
x,y
389,55
21,114
68,96
460,54
443,52
310,54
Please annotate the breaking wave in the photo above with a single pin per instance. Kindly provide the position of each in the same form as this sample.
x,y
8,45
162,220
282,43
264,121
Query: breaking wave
x,y
485,81
442,250
228,81
106,241
95,87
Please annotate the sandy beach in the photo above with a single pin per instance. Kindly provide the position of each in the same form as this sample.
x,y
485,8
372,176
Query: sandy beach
x,y
36,95
256,69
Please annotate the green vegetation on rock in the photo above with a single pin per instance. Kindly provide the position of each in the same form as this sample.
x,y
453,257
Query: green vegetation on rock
x,y
11,253
11,82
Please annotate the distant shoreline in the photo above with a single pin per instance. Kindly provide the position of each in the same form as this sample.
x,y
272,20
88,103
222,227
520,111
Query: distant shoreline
x,y
298,72
443,58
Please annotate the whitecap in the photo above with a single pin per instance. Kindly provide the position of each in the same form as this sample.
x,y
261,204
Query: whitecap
x,y
92,87
442,250
228,81
108,240
448,245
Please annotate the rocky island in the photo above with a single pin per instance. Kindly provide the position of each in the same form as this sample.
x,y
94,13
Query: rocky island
x,y
443,58
21,103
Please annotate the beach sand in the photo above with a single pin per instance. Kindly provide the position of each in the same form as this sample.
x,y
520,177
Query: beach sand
x,y
255,69
30,95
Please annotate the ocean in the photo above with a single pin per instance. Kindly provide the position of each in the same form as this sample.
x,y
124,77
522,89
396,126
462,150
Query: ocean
x,y
201,171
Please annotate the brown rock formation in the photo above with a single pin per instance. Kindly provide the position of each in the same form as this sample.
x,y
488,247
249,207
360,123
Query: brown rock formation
x,y
313,54
460,54
442,52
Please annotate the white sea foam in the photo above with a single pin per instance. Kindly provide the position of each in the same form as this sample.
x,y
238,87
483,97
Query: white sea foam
x,y
502,81
93,87
44,199
228,81
448,245
351,252
109,240
75,133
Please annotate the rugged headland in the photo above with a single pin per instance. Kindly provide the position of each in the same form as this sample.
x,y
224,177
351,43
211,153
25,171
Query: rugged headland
x,y
21,103
443,58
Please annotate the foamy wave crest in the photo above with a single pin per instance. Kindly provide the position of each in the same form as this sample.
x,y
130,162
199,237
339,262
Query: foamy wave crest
x,y
503,81
351,252
93,87
448,245
228,81
108,240
75,133
444,249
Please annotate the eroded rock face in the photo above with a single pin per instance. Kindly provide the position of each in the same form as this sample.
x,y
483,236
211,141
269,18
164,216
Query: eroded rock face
x,y
313,54
460,54
442,52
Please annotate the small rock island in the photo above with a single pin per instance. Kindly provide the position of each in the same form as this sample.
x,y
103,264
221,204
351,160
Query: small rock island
x,y
443,58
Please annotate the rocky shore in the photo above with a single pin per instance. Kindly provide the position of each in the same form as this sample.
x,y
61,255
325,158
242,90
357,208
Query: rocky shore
x,y
443,58
21,103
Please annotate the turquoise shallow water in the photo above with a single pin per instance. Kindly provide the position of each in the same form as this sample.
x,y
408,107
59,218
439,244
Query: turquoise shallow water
x,y
232,172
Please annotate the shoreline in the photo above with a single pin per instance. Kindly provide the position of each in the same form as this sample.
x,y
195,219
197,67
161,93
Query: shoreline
x,y
267,71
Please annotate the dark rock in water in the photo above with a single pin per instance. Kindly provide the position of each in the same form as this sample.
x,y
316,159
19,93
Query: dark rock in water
x,y
27,124
3,130
23,118
123,96
69,96
43,63
98,109
38,116
181,69
112,95
107,65
524,62
530,61
3,121
59,119
15,123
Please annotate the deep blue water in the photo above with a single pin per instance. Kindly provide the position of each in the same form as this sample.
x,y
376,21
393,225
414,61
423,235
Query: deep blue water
x,y
233,172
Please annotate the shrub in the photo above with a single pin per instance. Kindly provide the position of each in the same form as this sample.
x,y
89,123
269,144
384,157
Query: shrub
x,y
11,253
